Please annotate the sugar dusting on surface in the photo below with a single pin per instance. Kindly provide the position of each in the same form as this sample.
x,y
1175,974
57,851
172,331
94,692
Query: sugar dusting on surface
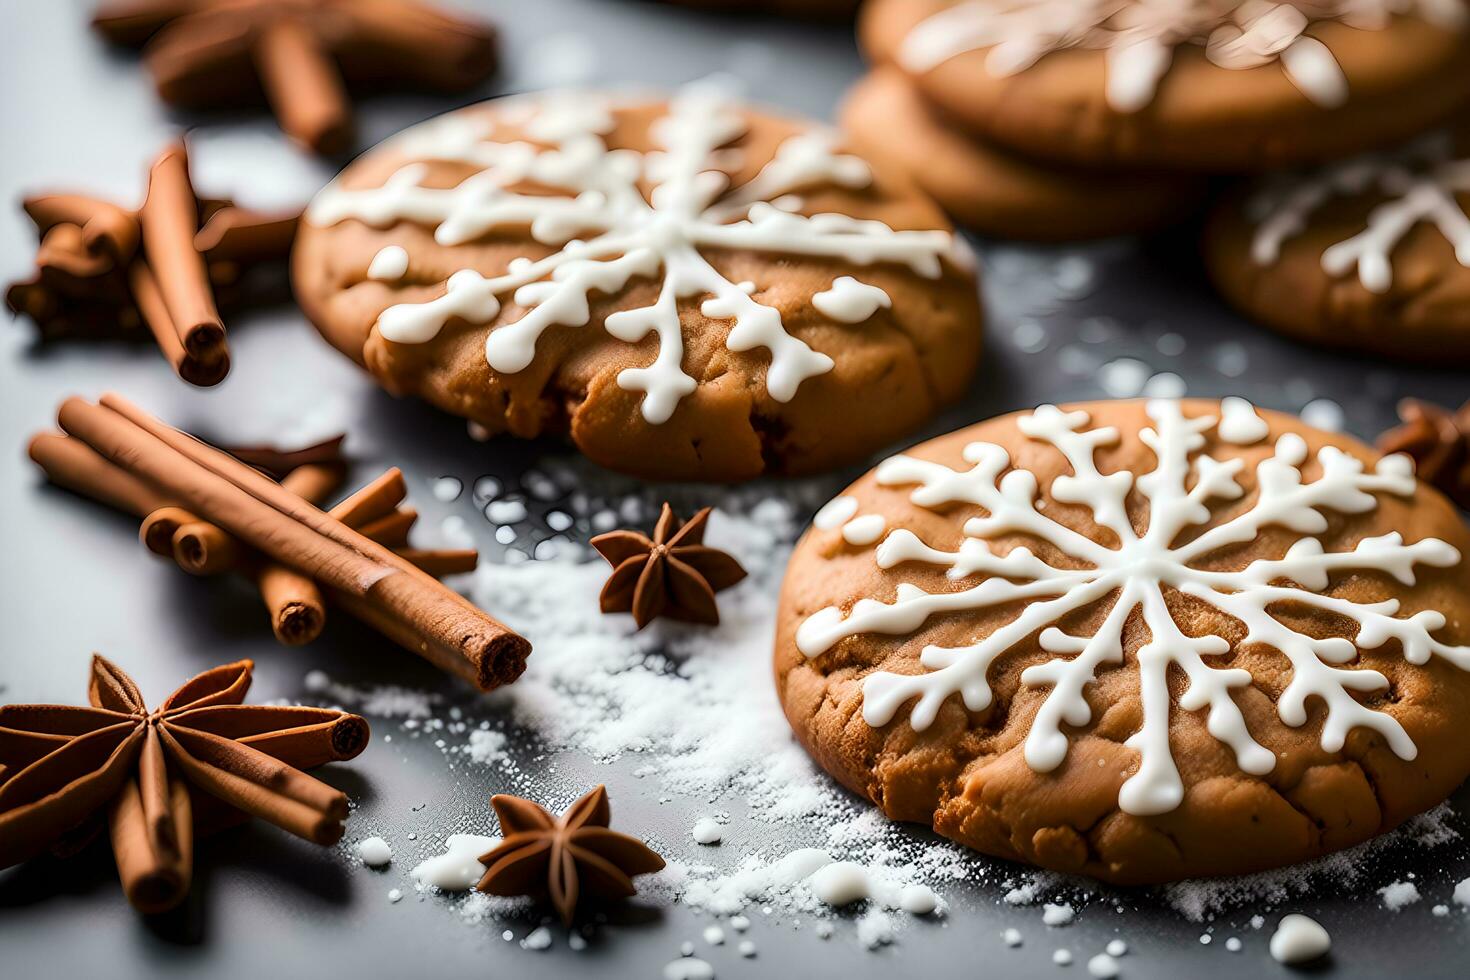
x,y
662,700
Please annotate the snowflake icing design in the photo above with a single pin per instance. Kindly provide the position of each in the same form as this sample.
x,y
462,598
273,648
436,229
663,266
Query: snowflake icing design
x,y
1138,570
1421,183
1138,37
606,232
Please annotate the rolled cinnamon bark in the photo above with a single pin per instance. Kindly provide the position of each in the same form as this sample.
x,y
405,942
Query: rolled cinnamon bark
x,y
297,610
409,605
159,527
170,219
206,370
72,464
303,86
390,531
439,562
235,234
155,878
105,227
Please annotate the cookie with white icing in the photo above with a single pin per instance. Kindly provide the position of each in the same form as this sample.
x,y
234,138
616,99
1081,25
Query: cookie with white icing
x,y
995,190
688,289
1141,641
1215,85
1369,254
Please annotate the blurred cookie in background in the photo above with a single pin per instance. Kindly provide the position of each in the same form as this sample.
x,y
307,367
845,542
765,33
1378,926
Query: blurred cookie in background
x,y
1220,86
996,191
1369,254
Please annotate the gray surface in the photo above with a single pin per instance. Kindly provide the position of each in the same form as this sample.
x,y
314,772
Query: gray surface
x,y
75,579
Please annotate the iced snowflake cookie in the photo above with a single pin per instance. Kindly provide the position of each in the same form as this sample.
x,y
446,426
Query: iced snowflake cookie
x,y
996,191
1141,641
689,289
1215,85
1370,254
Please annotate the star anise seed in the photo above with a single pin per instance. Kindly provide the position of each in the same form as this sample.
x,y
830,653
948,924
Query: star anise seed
x,y
674,574
563,859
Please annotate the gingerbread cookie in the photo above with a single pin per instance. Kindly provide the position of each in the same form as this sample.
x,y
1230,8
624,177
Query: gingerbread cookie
x,y
1215,85
1371,254
1141,641
996,191
689,289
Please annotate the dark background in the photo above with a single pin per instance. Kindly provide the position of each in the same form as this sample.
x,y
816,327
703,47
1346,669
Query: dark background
x,y
78,115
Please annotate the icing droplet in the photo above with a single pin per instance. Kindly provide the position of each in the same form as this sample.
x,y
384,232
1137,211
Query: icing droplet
x,y
864,530
389,265
835,513
1299,939
850,301
375,852
1239,423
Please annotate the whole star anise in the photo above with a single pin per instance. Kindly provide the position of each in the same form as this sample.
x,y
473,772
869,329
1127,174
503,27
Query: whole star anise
x,y
163,776
300,55
674,574
1438,440
563,859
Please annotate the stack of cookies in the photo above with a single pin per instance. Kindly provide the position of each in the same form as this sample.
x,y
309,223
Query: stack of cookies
x,y
1066,119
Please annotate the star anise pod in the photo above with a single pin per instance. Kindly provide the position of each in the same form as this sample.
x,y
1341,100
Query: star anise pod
x,y
163,776
299,55
674,574
1438,440
562,859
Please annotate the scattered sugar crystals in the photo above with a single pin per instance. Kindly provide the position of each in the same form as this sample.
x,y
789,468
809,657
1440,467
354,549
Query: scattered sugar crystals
x,y
1103,966
1062,957
714,935
539,938
1398,895
1057,915
689,968
1462,893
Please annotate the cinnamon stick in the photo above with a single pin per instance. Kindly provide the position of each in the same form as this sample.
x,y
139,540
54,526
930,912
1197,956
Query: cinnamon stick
x,y
238,235
159,527
105,227
74,465
408,604
206,370
303,86
439,562
154,877
170,219
391,530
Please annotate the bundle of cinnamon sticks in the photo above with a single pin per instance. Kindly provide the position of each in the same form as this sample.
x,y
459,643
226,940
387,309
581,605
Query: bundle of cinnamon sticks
x,y
210,511
104,270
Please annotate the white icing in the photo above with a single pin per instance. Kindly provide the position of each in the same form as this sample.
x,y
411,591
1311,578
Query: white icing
x,y
1299,939
1138,37
864,530
374,852
603,233
841,512
1103,966
1179,492
458,868
840,883
1420,183
1239,423
389,265
707,831
714,935
835,513
850,301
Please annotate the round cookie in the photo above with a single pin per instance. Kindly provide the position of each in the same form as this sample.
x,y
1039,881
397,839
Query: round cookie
x,y
1371,254
996,191
1220,86
688,289
1141,641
